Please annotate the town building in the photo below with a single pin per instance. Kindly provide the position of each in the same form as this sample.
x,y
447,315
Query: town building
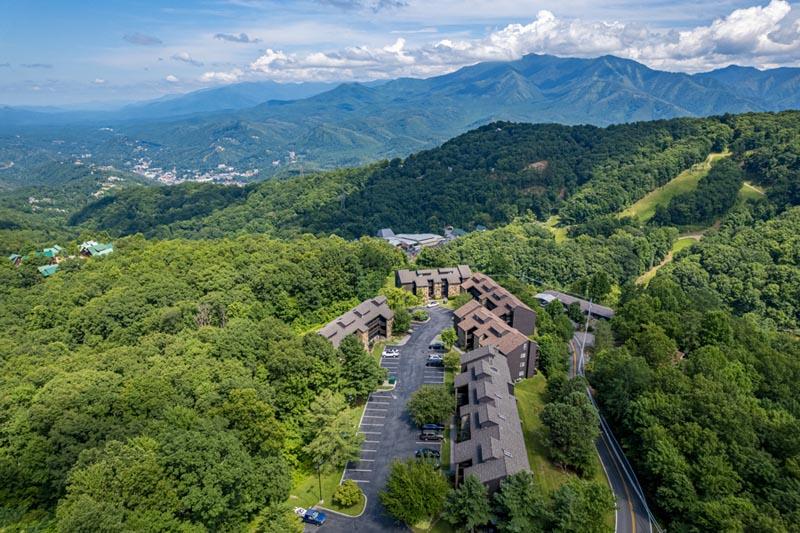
x,y
433,283
477,327
595,310
489,442
411,242
370,320
502,303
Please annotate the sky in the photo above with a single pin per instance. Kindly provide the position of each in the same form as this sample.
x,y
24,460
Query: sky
x,y
68,53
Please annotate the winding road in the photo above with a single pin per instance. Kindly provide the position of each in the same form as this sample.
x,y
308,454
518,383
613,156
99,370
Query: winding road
x,y
632,513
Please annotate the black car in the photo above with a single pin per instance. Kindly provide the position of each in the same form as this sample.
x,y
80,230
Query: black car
x,y
432,427
434,362
431,435
437,346
427,453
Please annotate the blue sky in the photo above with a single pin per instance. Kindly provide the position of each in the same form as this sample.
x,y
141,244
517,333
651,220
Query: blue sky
x,y
59,53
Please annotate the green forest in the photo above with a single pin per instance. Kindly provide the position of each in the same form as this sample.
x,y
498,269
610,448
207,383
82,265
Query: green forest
x,y
170,385
136,390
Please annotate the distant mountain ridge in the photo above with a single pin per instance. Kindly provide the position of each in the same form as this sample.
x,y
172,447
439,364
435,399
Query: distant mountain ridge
x,y
353,123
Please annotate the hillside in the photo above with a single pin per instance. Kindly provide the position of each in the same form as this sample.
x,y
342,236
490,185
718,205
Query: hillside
x,y
487,176
356,123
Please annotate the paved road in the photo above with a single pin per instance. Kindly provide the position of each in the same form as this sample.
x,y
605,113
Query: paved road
x,y
631,514
388,430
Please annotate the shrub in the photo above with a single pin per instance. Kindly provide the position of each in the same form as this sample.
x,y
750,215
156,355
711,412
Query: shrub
x,y
452,361
419,315
347,494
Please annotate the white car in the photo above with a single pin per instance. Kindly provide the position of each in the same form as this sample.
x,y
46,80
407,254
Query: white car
x,y
391,352
431,304
435,357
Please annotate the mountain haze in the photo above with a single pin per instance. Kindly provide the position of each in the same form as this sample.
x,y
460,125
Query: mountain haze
x,y
353,123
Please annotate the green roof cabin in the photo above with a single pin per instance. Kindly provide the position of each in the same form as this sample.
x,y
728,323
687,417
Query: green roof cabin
x,y
96,249
52,251
48,270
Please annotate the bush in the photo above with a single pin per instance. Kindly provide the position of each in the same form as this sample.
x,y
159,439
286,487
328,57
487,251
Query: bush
x,y
449,337
419,315
347,494
452,361
402,321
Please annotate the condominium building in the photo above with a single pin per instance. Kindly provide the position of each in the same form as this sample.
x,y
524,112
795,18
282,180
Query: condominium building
x,y
500,302
477,327
489,442
433,283
370,320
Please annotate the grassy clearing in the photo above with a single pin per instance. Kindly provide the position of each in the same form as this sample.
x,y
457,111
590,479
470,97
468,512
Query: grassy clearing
x,y
686,181
305,485
677,246
530,395
559,233
751,192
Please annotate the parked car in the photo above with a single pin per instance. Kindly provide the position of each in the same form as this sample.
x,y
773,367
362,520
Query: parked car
x,y
432,303
433,427
437,345
391,352
427,453
431,435
434,361
436,356
311,516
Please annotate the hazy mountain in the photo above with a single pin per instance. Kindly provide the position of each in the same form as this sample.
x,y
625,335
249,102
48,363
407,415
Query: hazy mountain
x,y
235,96
353,123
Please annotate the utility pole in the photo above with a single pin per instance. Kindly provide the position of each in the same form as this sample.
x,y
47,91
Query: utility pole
x,y
319,479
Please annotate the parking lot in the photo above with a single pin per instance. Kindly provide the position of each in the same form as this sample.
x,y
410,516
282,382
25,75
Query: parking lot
x,y
388,430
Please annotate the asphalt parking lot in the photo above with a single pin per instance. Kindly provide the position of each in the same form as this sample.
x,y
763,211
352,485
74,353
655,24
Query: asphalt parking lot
x,y
388,430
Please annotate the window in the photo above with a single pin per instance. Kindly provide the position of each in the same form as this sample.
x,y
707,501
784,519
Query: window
x,y
522,363
521,373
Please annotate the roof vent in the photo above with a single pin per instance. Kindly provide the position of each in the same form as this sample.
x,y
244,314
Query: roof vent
x,y
507,453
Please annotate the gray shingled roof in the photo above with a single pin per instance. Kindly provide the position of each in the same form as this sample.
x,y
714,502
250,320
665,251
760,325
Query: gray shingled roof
x,y
597,309
356,319
453,275
496,446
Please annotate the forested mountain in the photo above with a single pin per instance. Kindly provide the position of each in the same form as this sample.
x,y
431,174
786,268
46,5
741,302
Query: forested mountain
x,y
487,176
137,388
357,123
178,370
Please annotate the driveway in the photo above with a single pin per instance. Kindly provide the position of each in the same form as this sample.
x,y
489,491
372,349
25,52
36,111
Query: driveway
x,y
389,432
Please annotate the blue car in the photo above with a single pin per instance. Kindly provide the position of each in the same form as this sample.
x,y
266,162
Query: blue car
x,y
311,516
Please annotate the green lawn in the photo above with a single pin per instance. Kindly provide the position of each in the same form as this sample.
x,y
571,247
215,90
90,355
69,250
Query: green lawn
x,y
750,191
686,181
530,395
305,485
559,233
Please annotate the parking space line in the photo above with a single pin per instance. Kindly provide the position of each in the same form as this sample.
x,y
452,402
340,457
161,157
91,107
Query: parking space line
x,y
371,432
428,443
363,424
372,442
362,460
359,470
377,409
358,480
374,416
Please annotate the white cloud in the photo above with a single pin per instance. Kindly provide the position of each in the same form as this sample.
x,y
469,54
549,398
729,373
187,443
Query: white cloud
x,y
185,57
759,36
172,78
99,81
222,77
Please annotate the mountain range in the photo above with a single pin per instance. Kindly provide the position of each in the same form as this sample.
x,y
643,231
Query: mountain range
x,y
352,123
